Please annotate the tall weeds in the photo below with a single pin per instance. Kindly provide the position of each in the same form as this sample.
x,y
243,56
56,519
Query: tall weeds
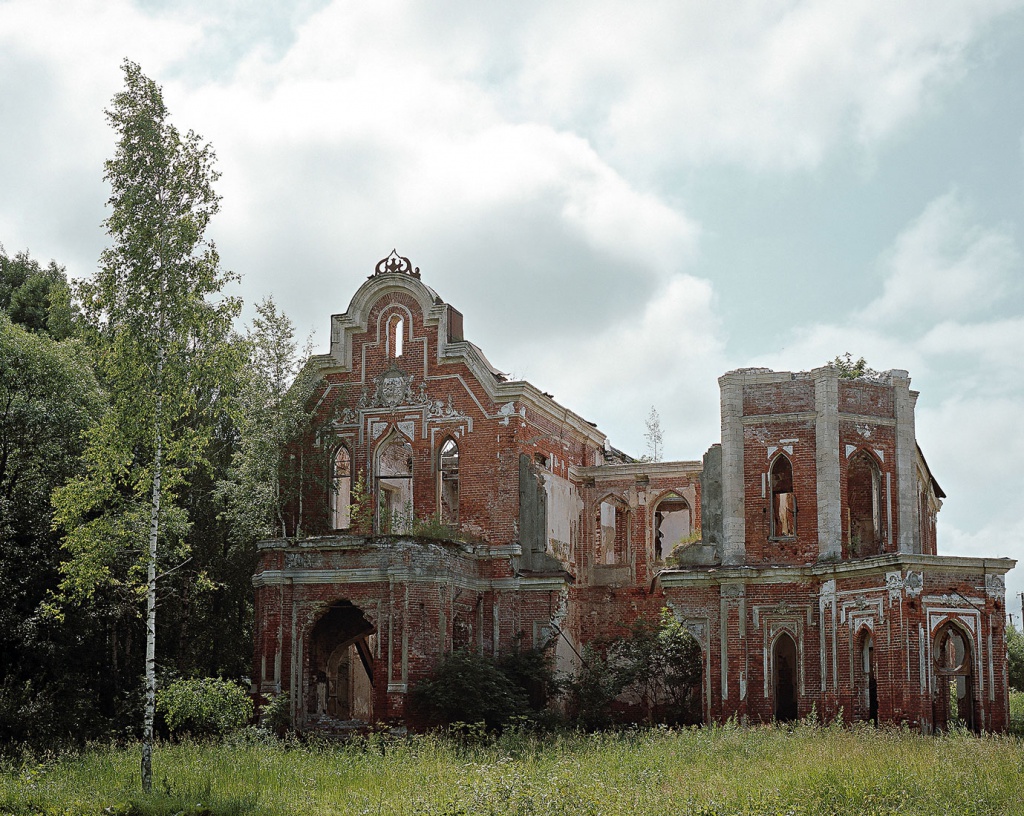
x,y
713,771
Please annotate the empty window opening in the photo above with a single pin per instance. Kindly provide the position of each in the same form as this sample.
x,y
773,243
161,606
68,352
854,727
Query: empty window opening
x,y
784,670
954,697
396,334
612,523
341,489
448,482
783,498
394,487
863,506
865,685
673,525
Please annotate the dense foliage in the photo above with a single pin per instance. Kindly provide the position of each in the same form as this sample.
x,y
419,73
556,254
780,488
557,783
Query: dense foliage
x,y
204,707
651,673
1015,653
466,687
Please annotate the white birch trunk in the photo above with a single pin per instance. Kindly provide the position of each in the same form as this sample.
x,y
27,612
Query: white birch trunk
x,y
154,527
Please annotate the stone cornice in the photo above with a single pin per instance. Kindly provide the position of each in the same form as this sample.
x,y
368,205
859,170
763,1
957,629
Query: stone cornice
x,y
821,571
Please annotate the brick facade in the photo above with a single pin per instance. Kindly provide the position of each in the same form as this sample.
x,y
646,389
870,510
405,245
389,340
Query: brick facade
x,y
800,551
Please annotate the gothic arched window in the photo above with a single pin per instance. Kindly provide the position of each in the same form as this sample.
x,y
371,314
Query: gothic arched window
x,y
394,486
341,488
783,498
448,482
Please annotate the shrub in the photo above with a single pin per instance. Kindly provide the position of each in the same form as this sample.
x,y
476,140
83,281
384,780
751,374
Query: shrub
x,y
204,707
276,715
1015,652
654,671
469,688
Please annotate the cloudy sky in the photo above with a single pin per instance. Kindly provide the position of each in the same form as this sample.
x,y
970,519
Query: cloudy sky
x,y
624,199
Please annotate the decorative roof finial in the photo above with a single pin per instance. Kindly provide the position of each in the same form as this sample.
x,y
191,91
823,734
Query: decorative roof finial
x,y
396,264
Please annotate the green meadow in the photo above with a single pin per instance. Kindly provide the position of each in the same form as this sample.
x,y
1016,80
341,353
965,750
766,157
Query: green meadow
x,y
806,769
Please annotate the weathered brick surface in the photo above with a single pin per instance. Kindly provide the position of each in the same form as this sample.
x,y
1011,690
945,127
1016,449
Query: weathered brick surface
x,y
398,601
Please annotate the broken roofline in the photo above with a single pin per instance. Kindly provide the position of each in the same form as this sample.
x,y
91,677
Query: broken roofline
x,y
442,316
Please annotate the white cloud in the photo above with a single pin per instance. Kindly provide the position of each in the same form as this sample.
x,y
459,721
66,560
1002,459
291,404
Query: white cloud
x,y
945,266
775,85
670,356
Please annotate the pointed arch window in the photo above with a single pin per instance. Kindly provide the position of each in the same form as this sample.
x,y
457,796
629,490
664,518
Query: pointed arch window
x,y
448,482
394,486
673,525
863,506
341,488
783,522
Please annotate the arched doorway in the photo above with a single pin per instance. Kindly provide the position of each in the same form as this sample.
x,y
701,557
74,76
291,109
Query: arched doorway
x,y
341,668
784,678
865,706
954,681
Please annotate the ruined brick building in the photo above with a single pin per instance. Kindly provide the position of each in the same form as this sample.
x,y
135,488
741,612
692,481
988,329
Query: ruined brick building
x,y
800,552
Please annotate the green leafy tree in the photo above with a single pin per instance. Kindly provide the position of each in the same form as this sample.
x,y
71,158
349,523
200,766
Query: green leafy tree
x,y
51,686
271,412
655,669
38,299
158,322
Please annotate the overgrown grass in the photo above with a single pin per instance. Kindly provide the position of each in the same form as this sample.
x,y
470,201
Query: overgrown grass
x,y
1017,713
711,772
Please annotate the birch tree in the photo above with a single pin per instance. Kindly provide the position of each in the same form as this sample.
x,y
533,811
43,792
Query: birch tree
x,y
653,435
158,322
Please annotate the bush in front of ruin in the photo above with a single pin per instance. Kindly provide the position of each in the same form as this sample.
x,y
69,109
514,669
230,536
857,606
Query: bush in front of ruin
x,y
204,707
466,687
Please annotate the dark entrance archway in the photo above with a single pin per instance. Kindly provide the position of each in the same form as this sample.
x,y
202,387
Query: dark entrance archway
x,y
865,686
784,669
341,670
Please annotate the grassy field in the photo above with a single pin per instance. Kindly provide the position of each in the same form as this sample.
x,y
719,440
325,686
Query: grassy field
x,y
720,770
